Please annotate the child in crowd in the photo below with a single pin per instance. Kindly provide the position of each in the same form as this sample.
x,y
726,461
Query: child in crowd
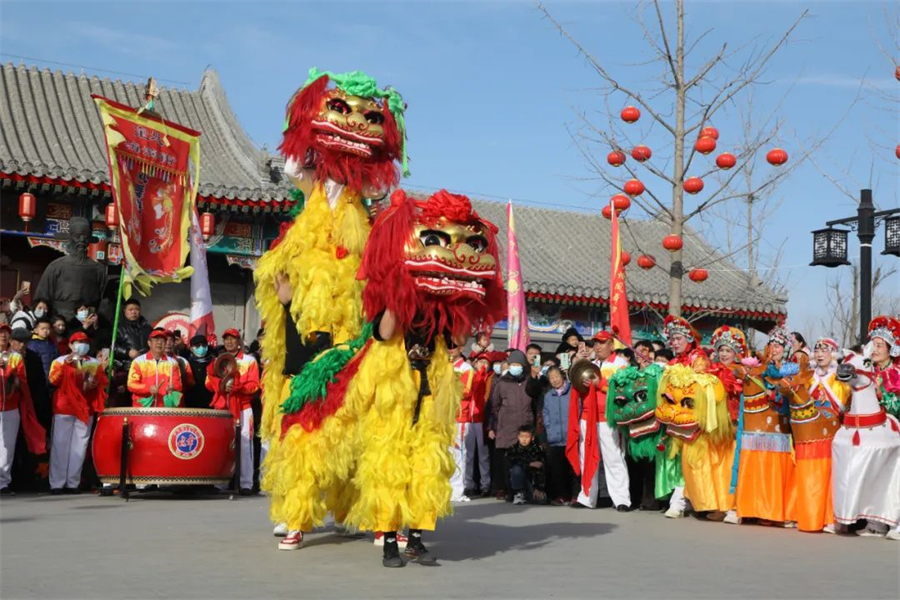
x,y
80,383
43,345
60,330
526,468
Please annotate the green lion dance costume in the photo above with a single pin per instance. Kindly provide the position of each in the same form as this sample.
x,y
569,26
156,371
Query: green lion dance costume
x,y
343,138
632,407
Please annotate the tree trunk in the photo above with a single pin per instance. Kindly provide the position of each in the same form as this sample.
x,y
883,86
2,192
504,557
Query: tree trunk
x,y
676,270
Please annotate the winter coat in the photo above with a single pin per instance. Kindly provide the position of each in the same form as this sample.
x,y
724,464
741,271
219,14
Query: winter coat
x,y
511,408
199,396
133,335
556,414
47,350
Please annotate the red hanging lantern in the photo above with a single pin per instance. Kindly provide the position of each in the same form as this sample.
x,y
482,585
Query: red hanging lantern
x,y
693,185
641,153
606,212
616,158
646,261
207,225
777,157
626,258
698,275
709,132
897,151
111,216
672,243
621,202
630,114
705,145
726,160
897,72
27,206
633,187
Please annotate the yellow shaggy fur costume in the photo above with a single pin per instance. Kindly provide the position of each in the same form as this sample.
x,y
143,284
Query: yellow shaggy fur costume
x,y
320,254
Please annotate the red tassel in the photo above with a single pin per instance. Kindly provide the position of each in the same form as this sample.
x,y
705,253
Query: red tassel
x,y
894,426
856,438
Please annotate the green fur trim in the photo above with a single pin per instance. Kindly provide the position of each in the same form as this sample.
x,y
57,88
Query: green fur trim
x,y
357,83
310,385
644,446
299,201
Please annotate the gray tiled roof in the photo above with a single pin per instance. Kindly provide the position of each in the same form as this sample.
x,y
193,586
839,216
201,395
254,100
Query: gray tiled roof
x,y
568,253
50,127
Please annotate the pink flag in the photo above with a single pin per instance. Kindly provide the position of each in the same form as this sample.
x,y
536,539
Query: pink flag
x,y
201,298
517,320
618,298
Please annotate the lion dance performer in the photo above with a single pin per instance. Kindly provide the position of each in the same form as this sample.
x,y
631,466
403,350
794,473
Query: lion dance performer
x,y
343,137
693,408
431,275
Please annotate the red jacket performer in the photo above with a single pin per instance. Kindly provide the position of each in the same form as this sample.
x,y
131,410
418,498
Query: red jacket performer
x,y
15,407
80,383
236,394
154,379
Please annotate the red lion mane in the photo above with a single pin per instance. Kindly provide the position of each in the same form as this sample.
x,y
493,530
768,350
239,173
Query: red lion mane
x,y
379,171
390,286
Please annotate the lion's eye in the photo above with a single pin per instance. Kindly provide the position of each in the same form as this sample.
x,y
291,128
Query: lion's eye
x,y
669,399
687,403
434,238
338,105
621,400
640,395
478,243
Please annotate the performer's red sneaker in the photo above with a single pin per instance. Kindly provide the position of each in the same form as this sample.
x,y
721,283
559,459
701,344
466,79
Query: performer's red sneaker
x,y
401,539
292,541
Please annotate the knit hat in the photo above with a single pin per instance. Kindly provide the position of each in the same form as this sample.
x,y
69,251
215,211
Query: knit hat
x,y
518,357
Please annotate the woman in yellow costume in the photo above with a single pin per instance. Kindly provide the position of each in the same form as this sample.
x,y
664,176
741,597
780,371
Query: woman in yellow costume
x,y
694,410
431,276
343,137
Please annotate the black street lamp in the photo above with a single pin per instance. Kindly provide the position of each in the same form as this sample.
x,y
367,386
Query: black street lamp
x,y
830,248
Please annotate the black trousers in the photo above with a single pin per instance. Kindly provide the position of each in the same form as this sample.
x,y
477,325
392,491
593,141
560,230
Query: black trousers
x,y
561,480
642,482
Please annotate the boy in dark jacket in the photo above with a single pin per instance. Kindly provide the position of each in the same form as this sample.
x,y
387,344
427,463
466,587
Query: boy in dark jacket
x,y
42,345
526,468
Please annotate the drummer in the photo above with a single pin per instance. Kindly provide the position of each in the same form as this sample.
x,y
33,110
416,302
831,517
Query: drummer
x,y
236,395
154,379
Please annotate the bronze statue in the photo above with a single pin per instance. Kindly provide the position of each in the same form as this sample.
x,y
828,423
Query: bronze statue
x,y
74,279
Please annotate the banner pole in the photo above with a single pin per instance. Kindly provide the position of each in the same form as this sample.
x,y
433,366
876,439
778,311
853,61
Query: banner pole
x,y
112,349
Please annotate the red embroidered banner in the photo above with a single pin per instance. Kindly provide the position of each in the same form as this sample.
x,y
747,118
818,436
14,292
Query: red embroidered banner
x,y
153,170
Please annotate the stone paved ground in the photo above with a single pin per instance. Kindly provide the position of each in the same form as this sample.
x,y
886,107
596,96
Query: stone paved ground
x,y
91,547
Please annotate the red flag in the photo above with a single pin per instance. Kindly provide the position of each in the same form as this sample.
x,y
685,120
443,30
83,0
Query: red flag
x,y
618,299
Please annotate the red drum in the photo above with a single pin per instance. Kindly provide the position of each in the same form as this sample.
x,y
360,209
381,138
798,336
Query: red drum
x,y
169,446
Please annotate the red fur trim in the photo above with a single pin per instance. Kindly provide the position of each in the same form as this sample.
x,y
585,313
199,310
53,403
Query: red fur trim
x,y
378,171
311,416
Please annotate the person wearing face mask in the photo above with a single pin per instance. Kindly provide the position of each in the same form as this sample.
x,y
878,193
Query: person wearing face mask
x,y
26,319
80,383
199,361
511,408
95,326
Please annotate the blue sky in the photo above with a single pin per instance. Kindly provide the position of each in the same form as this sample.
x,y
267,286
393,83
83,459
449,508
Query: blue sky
x,y
492,88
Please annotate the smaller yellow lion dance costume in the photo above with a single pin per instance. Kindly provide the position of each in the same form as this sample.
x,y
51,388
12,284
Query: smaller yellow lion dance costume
x,y
694,410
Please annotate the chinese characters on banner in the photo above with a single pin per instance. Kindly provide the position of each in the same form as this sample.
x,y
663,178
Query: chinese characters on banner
x,y
517,334
154,170
618,299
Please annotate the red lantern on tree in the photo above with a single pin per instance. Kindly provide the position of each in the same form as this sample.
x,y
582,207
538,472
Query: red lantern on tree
x,y
616,158
705,145
672,243
606,211
626,258
641,153
621,202
709,132
897,72
633,187
27,206
111,216
630,114
646,261
777,157
698,275
207,225
726,160
693,185
897,151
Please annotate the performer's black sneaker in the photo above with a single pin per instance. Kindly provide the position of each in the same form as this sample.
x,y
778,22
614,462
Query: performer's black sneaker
x,y
623,508
7,492
391,557
416,550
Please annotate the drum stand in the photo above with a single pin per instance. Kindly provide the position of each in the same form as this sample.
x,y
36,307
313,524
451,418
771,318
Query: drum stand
x,y
123,462
236,484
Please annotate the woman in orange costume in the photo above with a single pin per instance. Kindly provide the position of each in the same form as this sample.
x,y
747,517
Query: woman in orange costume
x,y
765,484
817,402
